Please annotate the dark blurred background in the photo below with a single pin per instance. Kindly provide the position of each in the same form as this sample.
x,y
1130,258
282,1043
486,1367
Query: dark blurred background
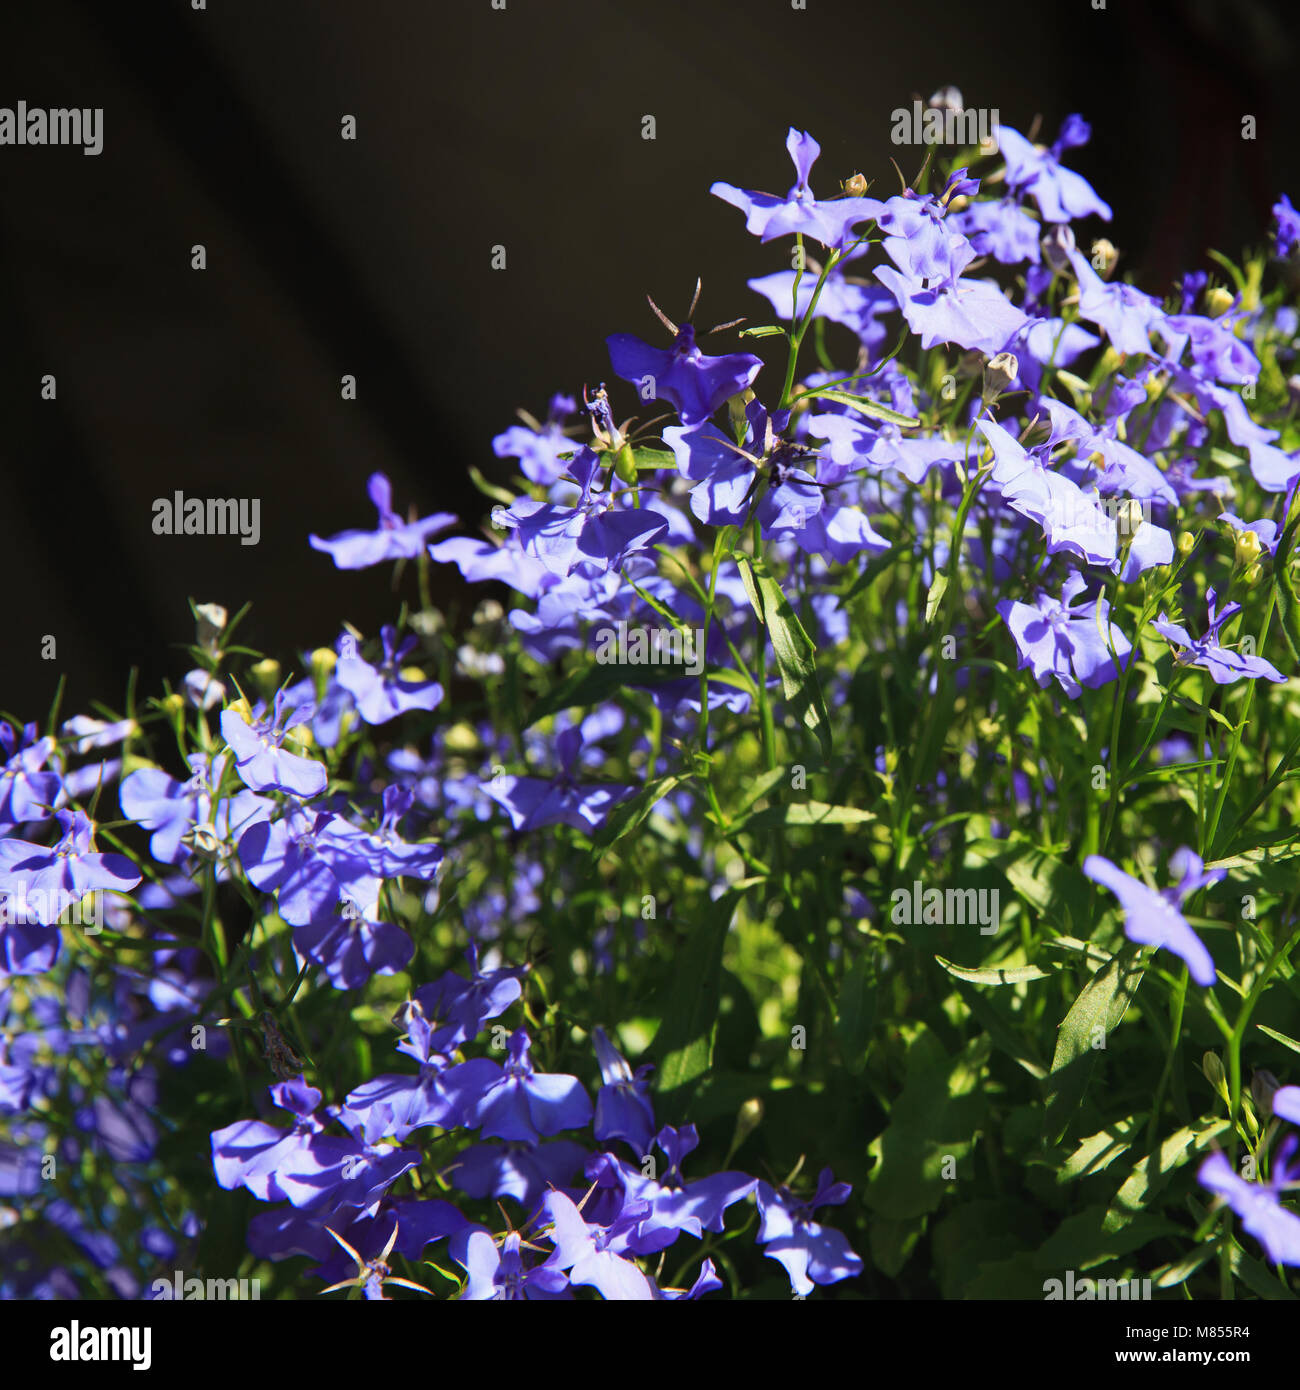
x,y
476,127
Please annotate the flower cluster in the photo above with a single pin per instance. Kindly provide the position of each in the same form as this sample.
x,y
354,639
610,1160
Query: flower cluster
x,y
937,569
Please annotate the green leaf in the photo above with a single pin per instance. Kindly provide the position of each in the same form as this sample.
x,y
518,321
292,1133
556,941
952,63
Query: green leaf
x,y
1098,1151
802,813
1279,1037
995,975
935,597
1101,1004
891,1243
934,1119
1153,1171
654,459
1046,883
795,653
684,1041
855,1013
627,815
1082,1241
766,330
862,404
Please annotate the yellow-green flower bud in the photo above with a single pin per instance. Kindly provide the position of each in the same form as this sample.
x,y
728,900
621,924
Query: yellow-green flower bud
x,y
323,661
1248,549
267,675
625,464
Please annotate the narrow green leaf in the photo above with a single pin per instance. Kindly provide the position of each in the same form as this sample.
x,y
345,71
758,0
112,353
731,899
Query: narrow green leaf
x,y
795,653
1101,1004
862,404
935,597
855,1013
627,815
685,1039
1279,1037
993,975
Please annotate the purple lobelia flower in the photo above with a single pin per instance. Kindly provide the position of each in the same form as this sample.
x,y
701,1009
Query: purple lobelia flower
x,y
383,852
1002,229
972,313
1152,918
520,1170
623,1109
501,1272
26,793
461,1006
174,810
1287,230
672,1204
312,1169
595,530
354,943
395,1104
394,540
538,447
768,217
1286,1103
693,384
1258,1203
857,307
1060,193
260,760
1124,469
1224,666
1127,316
596,1255
379,691
514,1101
532,802
812,1254
706,1281
40,883
918,239
1073,643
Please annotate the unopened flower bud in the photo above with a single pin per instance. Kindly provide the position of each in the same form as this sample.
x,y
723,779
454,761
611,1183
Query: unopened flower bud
x,y
1215,1074
1218,301
1186,543
203,842
266,674
625,464
1128,517
736,409
460,738
946,99
323,661
212,619
1000,372
1248,549
1057,245
1104,257
747,1120
1262,1086
1252,576
855,185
